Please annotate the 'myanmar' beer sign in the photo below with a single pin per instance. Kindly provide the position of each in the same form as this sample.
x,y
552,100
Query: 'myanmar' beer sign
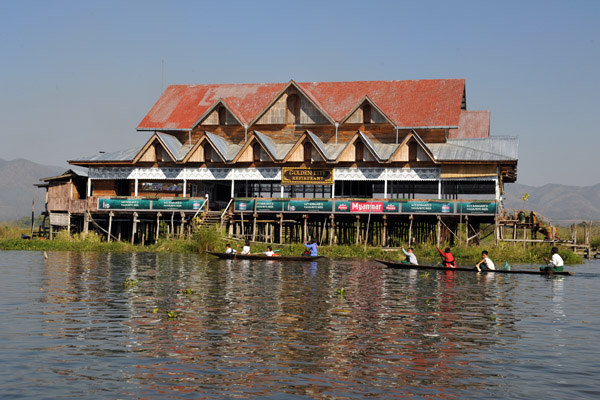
x,y
306,176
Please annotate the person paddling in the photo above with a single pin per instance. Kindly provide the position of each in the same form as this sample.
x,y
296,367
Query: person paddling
x,y
555,263
312,247
447,258
411,258
485,263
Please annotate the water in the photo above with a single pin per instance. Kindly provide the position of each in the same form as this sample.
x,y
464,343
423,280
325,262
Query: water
x,y
273,330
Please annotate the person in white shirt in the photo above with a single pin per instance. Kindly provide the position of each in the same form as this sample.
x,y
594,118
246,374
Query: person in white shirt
x,y
555,263
229,250
246,248
269,252
485,262
411,258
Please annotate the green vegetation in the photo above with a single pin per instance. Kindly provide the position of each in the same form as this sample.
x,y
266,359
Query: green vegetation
x,y
210,239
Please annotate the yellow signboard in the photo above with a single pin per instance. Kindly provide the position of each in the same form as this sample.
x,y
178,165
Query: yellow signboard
x,y
306,176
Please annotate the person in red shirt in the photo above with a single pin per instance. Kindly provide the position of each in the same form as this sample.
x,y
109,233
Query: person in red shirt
x,y
447,258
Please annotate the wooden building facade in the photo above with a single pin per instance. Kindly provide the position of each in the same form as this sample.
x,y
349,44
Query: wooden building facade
x,y
280,162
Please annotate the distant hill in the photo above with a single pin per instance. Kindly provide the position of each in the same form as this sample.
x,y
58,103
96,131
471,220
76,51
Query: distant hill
x,y
16,187
560,203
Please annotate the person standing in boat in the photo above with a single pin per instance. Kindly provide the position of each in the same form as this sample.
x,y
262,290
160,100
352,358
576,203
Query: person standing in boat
x,y
246,248
312,246
229,250
555,263
447,258
411,258
485,263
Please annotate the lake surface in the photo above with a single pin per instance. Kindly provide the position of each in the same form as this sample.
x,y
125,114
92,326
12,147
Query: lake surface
x,y
273,330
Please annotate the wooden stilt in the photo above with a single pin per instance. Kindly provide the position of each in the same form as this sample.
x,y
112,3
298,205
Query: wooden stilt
x,y
331,229
110,218
384,232
134,227
467,230
158,215
280,228
357,229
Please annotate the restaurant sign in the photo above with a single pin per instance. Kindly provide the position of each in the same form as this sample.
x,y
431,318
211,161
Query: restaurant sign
x,y
478,207
427,207
346,206
364,206
149,204
306,176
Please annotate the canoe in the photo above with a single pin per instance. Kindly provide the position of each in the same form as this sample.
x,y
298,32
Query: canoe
x,y
397,265
261,256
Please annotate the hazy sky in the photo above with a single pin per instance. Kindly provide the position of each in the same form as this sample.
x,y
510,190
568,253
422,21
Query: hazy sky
x,y
77,77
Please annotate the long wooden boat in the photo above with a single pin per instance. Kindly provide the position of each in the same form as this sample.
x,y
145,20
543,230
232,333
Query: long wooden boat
x,y
397,265
261,256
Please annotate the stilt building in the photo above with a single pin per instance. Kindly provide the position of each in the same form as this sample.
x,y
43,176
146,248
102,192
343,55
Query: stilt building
x,y
386,162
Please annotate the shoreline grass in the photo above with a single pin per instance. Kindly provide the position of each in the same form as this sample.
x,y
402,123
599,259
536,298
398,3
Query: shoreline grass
x,y
210,239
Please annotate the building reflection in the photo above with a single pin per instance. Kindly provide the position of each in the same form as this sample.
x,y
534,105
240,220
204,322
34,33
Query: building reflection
x,y
258,327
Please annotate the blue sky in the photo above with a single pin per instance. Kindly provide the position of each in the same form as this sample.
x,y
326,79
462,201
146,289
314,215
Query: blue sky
x,y
77,77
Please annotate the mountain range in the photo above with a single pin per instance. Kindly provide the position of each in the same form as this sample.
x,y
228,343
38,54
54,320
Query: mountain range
x,y
559,203
17,192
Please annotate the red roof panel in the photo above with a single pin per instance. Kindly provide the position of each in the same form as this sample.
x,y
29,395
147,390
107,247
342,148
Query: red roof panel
x,y
418,103
472,125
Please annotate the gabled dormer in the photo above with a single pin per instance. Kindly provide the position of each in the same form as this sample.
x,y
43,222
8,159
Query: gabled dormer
x,y
412,149
211,148
293,106
219,114
159,148
366,112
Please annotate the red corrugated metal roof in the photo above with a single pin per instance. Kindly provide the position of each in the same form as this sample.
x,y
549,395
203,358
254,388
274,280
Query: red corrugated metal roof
x,y
472,125
419,103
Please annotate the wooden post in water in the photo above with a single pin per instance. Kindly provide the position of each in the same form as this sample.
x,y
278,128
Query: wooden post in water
x,y
410,230
158,215
467,230
331,229
172,224
182,228
280,228
134,227
384,233
439,230
110,217
357,229
305,229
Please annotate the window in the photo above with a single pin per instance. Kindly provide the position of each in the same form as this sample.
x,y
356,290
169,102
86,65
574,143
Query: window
x,y
367,114
307,152
222,116
359,151
293,110
413,148
256,149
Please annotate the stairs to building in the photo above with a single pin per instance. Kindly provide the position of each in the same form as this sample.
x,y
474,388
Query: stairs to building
x,y
211,218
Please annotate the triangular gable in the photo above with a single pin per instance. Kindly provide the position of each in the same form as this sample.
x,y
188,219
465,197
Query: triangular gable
x,y
401,153
354,111
148,152
212,112
246,153
311,99
296,153
348,154
220,146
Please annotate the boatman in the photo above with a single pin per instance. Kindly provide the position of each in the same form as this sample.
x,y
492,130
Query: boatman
x,y
312,246
447,258
411,258
485,263
555,263
246,248
229,250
